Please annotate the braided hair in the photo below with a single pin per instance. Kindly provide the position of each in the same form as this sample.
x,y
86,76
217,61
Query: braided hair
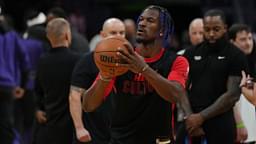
x,y
166,21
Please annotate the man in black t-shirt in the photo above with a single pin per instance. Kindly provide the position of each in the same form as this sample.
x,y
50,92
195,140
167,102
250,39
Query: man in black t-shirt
x,y
52,85
213,85
83,76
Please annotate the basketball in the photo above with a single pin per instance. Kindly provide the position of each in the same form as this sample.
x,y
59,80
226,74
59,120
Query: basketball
x,y
106,58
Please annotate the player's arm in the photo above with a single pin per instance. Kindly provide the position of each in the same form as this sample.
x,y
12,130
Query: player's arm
x,y
75,106
226,101
241,130
94,96
172,89
167,89
249,93
76,113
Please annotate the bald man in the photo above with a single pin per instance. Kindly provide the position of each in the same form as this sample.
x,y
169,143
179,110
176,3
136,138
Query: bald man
x,y
83,76
111,26
196,30
195,33
52,84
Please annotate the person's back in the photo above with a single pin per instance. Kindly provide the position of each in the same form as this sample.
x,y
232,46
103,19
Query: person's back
x,y
53,81
55,69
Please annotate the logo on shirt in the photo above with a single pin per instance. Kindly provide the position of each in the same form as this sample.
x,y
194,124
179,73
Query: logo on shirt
x,y
221,57
197,58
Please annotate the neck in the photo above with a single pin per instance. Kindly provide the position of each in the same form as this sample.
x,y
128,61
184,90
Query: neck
x,y
63,44
149,50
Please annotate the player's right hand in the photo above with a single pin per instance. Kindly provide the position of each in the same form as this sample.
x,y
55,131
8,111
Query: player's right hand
x,y
41,116
83,135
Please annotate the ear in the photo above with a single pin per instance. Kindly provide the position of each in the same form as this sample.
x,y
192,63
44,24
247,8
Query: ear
x,y
161,32
66,36
225,28
102,34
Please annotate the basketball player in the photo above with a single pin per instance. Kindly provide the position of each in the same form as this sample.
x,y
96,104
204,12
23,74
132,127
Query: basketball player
x,y
141,98
83,76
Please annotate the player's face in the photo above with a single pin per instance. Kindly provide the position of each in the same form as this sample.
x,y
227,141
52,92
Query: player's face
x,y
244,41
214,28
148,26
115,29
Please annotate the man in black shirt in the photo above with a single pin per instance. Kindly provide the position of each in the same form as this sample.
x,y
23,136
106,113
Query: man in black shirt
x,y
83,76
214,77
53,81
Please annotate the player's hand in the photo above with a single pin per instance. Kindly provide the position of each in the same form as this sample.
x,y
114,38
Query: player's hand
x,y
18,92
241,134
193,122
41,116
246,81
133,61
83,135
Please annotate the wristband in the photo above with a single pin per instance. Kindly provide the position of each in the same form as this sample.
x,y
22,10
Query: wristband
x,y
144,68
240,125
104,79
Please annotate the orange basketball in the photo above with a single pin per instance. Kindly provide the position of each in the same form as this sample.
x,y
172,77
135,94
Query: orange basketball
x,y
106,58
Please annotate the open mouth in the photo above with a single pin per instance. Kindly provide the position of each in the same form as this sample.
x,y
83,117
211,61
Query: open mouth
x,y
140,31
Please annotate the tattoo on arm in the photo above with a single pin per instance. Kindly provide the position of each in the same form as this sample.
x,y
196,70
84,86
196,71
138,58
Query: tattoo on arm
x,y
77,89
226,101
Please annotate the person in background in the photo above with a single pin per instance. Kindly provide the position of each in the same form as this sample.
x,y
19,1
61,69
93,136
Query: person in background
x,y
79,43
14,70
52,84
213,84
85,72
195,34
241,36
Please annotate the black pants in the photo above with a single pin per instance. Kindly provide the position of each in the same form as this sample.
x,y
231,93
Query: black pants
x,y
25,116
6,112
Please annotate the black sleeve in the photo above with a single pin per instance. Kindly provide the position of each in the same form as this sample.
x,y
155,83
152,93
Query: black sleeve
x,y
84,72
238,62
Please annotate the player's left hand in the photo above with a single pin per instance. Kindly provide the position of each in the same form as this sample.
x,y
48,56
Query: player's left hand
x,y
193,122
